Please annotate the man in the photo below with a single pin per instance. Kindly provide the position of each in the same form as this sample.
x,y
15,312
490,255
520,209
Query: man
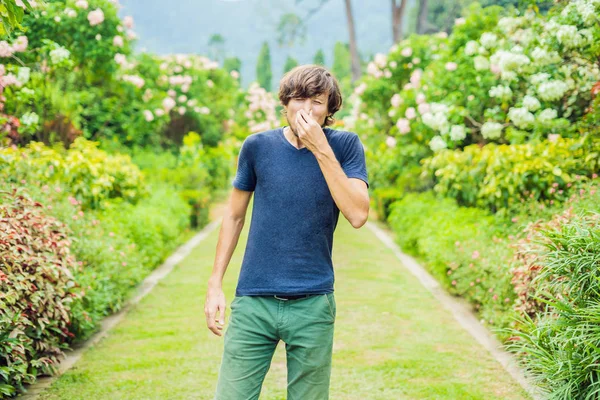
x,y
302,175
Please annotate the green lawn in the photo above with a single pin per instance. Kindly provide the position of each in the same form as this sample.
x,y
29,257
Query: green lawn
x,y
393,339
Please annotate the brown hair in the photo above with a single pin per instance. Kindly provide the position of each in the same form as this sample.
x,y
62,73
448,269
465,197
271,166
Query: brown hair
x,y
307,81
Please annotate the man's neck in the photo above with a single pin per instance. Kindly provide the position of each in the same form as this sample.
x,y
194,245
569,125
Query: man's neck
x,y
293,139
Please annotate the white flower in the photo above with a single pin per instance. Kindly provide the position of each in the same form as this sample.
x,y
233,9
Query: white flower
x,y
542,57
70,12
396,100
437,121
491,130
118,41
521,117
439,108
403,126
570,37
481,63
23,75
459,21
552,90
437,143
457,132
30,119
531,103
423,108
509,61
406,52
390,141
148,115
553,137
159,112
410,113
59,54
547,115
120,59
182,98
501,92
536,79
420,98
380,60
488,40
509,25
471,48
81,4
57,18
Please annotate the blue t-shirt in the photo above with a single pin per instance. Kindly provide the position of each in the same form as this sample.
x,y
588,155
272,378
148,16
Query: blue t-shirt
x,y
294,215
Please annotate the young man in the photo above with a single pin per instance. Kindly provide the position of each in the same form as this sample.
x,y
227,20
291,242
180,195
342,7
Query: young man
x,y
302,175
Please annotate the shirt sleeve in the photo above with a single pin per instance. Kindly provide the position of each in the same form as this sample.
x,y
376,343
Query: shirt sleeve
x,y
354,164
245,178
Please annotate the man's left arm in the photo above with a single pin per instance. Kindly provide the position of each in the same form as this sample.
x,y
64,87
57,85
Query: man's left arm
x,y
351,195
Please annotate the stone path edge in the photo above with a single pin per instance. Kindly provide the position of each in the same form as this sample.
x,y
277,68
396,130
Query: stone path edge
x,y
73,355
461,311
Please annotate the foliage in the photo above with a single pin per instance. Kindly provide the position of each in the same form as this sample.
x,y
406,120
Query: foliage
x,y
37,286
498,177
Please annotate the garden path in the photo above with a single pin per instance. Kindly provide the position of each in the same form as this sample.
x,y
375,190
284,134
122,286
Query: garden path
x,y
393,338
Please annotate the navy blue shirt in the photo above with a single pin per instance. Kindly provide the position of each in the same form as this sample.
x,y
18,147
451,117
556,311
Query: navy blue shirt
x,y
294,215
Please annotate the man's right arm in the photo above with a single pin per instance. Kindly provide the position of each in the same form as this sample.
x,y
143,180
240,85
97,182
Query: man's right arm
x,y
231,227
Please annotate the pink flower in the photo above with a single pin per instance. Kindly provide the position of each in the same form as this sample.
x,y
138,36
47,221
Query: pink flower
x,y
111,234
475,255
390,141
181,110
128,22
420,98
495,69
410,113
168,104
80,213
453,283
131,35
515,219
406,52
120,59
118,41
95,17
403,126
495,297
148,115
396,100
451,66
20,45
472,284
423,108
6,49
594,176
81,4
124,263
553,137
73,200
457,243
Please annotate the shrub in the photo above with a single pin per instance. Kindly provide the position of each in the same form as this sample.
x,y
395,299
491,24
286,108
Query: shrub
x,y
37,288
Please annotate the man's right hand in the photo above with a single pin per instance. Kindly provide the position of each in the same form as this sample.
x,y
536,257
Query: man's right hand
x,y
214,309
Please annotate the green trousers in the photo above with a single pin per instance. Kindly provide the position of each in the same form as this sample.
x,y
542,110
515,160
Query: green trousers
x,y
256,325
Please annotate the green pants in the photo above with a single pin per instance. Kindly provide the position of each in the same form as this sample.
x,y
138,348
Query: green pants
x,y
256,325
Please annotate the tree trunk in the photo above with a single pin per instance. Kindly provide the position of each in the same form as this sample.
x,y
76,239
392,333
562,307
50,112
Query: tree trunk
x,y
397,19
353,47
422,18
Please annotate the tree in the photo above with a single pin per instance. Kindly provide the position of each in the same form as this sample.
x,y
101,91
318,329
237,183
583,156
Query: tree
x,y
341,61
319,58
290,29
216,47
422,18
355,59
353,46
397,19
290,63
264,76
232,64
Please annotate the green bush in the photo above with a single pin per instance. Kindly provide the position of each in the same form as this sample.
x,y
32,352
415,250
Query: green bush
x,y
498,177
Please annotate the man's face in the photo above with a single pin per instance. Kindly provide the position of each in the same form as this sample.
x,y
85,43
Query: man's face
x,y
318,105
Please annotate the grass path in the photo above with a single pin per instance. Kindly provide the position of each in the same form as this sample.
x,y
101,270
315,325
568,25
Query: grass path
x,y
393,340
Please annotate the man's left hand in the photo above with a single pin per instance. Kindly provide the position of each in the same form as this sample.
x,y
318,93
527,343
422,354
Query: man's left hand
x,y
309,131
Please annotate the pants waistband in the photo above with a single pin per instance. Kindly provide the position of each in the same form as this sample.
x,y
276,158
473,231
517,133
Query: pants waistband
x,y
293,297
